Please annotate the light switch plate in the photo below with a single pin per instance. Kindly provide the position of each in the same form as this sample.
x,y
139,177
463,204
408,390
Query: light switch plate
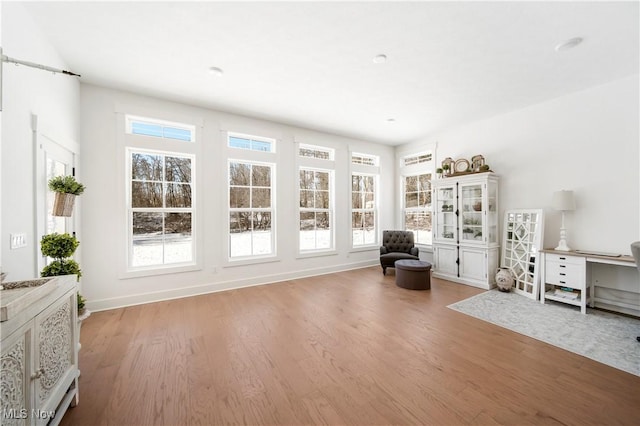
x,y
18,241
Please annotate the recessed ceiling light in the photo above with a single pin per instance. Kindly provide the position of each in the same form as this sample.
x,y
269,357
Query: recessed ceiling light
x,y
569,44
380,59
216,71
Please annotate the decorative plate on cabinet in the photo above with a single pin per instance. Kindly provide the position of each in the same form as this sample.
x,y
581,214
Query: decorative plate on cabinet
x,y
461,165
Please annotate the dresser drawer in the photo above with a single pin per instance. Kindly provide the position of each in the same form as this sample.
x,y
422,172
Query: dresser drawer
x,y
565,270
565,259
564,275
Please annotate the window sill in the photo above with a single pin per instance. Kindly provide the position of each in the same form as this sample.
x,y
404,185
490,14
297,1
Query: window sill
x,y
427,248
159,270
319,253
373,247
250,261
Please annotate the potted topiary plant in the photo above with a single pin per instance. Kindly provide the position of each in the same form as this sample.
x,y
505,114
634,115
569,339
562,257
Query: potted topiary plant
x,y
66,189
445,169
61,247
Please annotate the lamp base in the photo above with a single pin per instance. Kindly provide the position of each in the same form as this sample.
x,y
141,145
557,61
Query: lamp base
x,y
562,246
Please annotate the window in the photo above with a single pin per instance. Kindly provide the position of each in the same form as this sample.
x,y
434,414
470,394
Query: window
x,y
416,159
364,159
161,213
318,152
363,209
160,129
417,207
316,214
250,209
252,143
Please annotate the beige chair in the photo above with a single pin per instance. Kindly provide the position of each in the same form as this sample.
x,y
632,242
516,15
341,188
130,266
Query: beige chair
x,y
635,251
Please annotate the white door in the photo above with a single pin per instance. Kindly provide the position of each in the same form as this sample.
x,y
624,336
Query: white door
x,y
54,157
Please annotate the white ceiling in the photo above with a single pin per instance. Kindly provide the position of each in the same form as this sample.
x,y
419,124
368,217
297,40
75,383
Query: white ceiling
x,y
310,63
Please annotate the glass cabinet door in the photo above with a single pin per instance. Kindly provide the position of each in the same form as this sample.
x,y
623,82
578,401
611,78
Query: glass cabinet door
x,y
446,213
471,212
492,212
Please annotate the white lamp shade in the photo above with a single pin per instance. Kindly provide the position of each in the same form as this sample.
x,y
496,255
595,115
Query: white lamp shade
x,y
563,200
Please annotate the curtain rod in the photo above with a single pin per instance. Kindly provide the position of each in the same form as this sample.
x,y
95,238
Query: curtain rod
x,y
5,58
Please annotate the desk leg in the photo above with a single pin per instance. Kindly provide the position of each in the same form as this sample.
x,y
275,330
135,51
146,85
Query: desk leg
x,y
543,279
592,286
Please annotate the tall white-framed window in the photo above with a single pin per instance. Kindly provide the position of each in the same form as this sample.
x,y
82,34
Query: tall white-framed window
x,y
416,171
316,210
364,200
251,209
160,208
315,195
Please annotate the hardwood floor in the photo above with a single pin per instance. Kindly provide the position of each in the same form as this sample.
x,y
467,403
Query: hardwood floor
x,y
344,348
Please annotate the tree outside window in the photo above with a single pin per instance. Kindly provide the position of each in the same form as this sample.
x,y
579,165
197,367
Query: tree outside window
x,y
315,210
161,209
417,207
250,209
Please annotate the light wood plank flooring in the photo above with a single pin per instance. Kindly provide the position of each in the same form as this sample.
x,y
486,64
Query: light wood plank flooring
x,y
345,348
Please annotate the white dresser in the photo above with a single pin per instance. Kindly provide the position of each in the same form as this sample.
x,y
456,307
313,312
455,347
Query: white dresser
x,y
39,352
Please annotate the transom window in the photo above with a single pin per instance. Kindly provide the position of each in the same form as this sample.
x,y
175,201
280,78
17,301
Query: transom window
x,y
416,159
161,214
364,159
160,129
318,152
316,214
250,209
252,143
417,206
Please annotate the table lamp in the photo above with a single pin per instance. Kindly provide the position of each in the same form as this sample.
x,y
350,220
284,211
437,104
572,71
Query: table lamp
x,y
563,201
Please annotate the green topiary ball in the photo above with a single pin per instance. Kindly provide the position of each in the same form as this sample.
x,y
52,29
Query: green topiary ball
x,y
58,246
62,267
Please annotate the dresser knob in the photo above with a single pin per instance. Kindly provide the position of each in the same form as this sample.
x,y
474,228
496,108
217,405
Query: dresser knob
x,y
39,373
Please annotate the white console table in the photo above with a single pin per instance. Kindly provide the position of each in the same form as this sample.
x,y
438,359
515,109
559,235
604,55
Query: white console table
x,y
562,269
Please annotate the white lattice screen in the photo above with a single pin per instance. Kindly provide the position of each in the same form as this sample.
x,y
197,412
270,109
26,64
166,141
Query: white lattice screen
x,y
522,238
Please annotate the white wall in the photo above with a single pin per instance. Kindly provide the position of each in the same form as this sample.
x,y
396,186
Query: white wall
x,y
587,142
54,98
103,202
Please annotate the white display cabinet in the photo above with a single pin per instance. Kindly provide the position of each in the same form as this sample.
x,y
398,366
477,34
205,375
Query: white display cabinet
x,y
465,238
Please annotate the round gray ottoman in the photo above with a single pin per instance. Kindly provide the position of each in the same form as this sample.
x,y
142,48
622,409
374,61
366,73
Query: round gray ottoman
x,y
413,274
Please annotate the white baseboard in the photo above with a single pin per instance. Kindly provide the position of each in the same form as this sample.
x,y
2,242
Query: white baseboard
x,y
159,296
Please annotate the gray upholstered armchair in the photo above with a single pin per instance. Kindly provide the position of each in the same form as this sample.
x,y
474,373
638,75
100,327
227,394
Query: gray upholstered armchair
x,y
396,245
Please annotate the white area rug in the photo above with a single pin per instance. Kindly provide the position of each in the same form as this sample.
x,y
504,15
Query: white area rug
x,y
601,336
